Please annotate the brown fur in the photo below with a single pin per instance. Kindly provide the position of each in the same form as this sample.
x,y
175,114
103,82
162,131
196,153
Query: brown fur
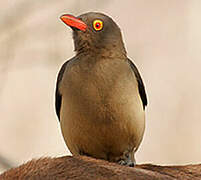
x,y
81,167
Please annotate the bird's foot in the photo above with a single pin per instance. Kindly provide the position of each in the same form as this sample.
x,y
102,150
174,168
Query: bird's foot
x,y
127,159
126,163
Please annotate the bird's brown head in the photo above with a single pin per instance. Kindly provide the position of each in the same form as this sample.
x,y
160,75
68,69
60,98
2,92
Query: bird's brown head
x,y
95,32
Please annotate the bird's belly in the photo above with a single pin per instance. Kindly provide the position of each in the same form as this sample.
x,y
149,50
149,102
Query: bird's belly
x,y
98,123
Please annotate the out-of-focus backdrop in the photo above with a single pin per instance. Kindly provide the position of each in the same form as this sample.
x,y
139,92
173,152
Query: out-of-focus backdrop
x,y
162,37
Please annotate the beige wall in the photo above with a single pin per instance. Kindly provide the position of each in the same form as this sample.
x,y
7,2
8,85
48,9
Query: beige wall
x,y
164,39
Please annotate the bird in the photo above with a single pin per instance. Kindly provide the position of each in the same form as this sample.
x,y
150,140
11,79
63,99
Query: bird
x,y
100,97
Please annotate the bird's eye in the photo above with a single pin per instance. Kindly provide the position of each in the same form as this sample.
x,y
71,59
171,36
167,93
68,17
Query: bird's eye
x,y
98,25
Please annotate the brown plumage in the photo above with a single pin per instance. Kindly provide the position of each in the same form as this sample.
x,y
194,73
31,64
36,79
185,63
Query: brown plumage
x,y
100,96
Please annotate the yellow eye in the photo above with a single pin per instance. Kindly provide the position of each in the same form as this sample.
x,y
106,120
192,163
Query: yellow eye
x,y
98,25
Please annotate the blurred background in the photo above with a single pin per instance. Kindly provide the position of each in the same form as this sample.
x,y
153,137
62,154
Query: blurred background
x,y
162,37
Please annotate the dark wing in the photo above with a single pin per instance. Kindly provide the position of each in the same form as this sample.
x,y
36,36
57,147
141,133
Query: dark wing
x,y
140,83
58,96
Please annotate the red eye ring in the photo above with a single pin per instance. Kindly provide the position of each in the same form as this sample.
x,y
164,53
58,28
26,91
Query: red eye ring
x,y
98,25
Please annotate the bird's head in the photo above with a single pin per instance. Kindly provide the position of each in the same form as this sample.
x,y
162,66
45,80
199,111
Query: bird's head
x,y
95,32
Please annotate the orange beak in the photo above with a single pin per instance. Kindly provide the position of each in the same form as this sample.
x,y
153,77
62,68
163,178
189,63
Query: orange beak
x,y
73,22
